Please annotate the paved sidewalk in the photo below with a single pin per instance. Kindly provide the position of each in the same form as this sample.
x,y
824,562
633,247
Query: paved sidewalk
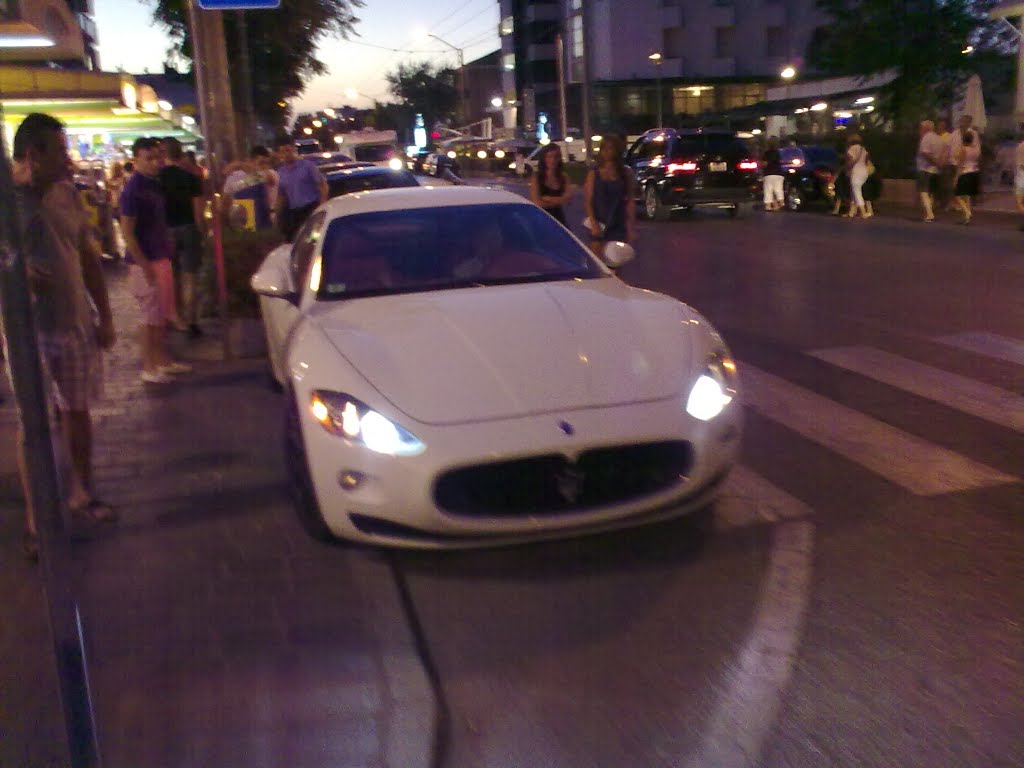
x,y
218,634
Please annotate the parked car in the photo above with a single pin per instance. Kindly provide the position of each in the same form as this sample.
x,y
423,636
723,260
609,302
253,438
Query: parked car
x,y
429,344
308,147
360,178
681,170
528,165
809,175
439,164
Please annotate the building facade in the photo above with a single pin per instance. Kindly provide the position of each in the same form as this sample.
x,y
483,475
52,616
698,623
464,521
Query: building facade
x,y
715,55
60,33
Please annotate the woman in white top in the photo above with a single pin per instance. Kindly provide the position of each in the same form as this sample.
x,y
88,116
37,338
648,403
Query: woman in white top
x,y
857,168
967,158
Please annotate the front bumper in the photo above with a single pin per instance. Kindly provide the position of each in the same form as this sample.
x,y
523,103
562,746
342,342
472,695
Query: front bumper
x,y
395,504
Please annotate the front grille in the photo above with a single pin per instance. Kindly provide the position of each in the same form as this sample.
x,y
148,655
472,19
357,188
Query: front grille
x,y
552,484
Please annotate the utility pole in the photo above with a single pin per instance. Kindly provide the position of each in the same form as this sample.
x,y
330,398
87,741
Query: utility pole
x,y
248,132
585,100
217,113
463,111
560,64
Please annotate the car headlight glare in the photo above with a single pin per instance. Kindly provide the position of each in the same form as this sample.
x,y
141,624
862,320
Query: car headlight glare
x,y
714,389
347,417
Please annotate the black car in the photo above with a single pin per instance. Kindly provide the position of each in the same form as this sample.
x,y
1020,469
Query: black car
x,y
809,175
680,170
360,179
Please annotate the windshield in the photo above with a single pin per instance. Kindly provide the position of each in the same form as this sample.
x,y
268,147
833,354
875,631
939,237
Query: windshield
x,y
424,249
343,183
374,153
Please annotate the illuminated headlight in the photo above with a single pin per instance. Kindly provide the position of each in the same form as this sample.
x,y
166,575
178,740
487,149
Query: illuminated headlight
x,y
395,164
714,389
347,417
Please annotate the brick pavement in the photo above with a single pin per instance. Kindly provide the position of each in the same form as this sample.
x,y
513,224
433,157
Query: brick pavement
x,y
218,633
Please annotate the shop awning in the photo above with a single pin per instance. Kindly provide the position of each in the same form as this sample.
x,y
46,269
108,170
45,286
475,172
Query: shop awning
x,y
91,103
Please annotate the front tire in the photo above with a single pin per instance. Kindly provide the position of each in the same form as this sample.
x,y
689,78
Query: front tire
x,y
654,209
300,482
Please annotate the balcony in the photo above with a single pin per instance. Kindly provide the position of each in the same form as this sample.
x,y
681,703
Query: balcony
x,y
721,66
541,52
49,21
542,12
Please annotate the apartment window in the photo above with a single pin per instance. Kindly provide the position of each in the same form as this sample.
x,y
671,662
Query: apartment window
x,y
507,26
576,29
724,41
508,62
741,95
775,41
633,102
672,42
693,100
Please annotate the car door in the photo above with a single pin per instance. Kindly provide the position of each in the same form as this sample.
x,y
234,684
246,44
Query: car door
x,y
281,315
648,160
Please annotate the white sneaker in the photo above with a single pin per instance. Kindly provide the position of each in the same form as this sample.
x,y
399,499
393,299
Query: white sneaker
x,y
155,377
175,367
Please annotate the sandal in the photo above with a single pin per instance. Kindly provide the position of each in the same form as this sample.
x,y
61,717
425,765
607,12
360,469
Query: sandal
x,y
96,512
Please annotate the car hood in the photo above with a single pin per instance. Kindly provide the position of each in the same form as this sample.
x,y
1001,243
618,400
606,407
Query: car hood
x,y
498,352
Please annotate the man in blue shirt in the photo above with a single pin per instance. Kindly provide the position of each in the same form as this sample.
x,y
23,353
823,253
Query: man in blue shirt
x,y
148,250
301,188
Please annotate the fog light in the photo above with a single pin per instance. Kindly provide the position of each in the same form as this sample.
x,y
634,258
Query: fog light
x,y
349,479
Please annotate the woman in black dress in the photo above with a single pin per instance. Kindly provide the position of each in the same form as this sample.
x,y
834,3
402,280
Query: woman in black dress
x,y
550,188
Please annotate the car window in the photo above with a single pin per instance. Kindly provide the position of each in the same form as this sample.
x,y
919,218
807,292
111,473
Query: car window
x,y
374,153
685,147
343,184
447,247
653,148
304,247
725,145
821,156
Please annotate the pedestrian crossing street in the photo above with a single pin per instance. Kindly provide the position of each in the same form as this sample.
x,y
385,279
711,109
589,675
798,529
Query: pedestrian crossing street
x,y
910,461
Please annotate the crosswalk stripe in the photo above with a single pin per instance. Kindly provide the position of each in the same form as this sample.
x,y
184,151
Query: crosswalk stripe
x,y
987,344
749,499
959,392
912,463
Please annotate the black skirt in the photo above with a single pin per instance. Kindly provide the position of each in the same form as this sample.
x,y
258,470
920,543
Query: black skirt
x,y
967,185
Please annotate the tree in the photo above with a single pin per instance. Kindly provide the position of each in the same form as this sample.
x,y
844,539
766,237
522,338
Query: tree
x,y
921,41
425,89
282,45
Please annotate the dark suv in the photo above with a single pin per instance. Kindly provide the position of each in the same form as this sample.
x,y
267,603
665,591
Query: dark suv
x,y
684,169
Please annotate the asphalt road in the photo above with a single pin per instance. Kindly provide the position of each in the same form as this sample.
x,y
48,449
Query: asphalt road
x,y
861,599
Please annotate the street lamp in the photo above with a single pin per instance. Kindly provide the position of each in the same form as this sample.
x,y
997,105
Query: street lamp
x,y
788,73
463,113
656,58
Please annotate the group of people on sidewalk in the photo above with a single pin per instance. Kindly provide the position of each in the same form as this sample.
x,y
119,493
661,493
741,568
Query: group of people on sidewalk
x,y
948,167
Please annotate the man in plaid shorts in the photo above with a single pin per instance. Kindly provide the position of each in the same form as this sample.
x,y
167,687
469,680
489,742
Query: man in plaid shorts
x,y
72,310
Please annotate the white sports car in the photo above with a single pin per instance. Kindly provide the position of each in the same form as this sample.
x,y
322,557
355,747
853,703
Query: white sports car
x,y
459,370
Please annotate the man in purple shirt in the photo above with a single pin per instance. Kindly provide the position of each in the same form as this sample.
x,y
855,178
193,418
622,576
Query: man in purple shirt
x,y
301,188
148,247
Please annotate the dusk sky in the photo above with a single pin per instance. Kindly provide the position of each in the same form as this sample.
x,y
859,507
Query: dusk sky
x,y
130,40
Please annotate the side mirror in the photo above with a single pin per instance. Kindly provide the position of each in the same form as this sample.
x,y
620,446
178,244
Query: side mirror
x,y
617,253
275,281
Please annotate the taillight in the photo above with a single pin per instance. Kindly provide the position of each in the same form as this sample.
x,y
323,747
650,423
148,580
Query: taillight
x,y
681,167
823,173
747,165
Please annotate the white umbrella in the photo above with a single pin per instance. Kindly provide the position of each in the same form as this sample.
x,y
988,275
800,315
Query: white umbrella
x,y
972,103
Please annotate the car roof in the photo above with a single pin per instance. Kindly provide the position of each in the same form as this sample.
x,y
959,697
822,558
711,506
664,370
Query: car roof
x,y
361,170
400,198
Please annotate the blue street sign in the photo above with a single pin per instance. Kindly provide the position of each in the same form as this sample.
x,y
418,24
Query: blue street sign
x,y
238,5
